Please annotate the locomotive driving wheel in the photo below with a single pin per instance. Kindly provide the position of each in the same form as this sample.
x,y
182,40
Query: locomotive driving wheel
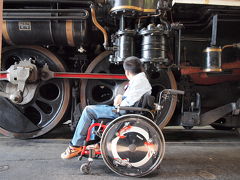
x,y
104,91
45,102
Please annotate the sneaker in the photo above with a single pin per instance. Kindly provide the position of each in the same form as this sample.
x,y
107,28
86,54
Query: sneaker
x,y
71,152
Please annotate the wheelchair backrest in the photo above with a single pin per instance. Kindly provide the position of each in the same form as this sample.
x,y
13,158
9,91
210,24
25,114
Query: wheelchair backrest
x,y
146,101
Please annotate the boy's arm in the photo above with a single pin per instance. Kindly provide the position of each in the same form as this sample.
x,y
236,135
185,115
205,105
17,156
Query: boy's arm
x,y
117,100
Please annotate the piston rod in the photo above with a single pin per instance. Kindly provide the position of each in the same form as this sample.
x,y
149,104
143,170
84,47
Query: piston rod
x,y
3,75
66,75
25,72
46,74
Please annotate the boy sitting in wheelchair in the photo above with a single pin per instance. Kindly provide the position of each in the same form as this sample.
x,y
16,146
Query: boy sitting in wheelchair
x,y
138,86
131,144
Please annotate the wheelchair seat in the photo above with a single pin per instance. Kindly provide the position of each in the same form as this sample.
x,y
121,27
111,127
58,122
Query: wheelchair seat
x,y
143,106
145,103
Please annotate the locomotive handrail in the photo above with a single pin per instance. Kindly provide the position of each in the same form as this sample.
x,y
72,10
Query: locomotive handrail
x,y
13,14
50,1
43,18
44,10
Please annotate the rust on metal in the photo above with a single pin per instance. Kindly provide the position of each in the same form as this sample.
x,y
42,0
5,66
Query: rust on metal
x,y
69,33
5,33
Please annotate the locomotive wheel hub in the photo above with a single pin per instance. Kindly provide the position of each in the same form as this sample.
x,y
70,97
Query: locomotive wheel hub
x,y
22,72
27,95
18,75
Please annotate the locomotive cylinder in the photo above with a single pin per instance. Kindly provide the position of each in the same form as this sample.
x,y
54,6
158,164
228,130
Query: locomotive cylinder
x,y
212,59
45,32
153,44
144,6
125,45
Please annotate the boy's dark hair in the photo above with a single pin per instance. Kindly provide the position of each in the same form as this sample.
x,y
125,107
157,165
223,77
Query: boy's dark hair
x,y
133,65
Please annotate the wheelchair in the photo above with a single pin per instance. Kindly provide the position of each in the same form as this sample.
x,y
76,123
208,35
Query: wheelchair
x,y
130,145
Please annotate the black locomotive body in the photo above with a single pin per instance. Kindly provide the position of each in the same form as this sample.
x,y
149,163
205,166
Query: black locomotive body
x,y
194,47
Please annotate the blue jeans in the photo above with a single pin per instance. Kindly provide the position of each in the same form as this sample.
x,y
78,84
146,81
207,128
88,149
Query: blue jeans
x,y
90,115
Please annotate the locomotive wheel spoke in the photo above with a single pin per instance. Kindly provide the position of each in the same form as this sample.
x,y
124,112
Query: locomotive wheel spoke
x,y
106,83
100,91
43,115
49,103
41,99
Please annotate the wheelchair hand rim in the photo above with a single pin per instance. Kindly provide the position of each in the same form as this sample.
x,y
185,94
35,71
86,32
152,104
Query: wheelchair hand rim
x,y
161,144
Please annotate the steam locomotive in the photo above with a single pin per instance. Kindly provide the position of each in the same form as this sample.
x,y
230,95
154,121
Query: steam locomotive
x,y
189,46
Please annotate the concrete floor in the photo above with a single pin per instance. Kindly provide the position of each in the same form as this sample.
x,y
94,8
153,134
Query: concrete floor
x,y
190,154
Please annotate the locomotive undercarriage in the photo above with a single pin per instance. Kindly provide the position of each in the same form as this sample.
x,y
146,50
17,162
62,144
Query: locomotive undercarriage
x,y
186,47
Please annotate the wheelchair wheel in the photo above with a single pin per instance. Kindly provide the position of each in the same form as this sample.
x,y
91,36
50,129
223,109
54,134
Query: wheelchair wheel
x,y
85,168
132,145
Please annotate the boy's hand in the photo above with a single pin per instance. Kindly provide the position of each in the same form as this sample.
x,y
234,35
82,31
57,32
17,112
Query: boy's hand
x,y
117,100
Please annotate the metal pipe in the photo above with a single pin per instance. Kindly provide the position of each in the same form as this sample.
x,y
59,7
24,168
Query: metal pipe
x,y
235,45
45,15
227,46
122,23
214,30
49,1
179,48
44,18
44,10
95,22
165,23
197,39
